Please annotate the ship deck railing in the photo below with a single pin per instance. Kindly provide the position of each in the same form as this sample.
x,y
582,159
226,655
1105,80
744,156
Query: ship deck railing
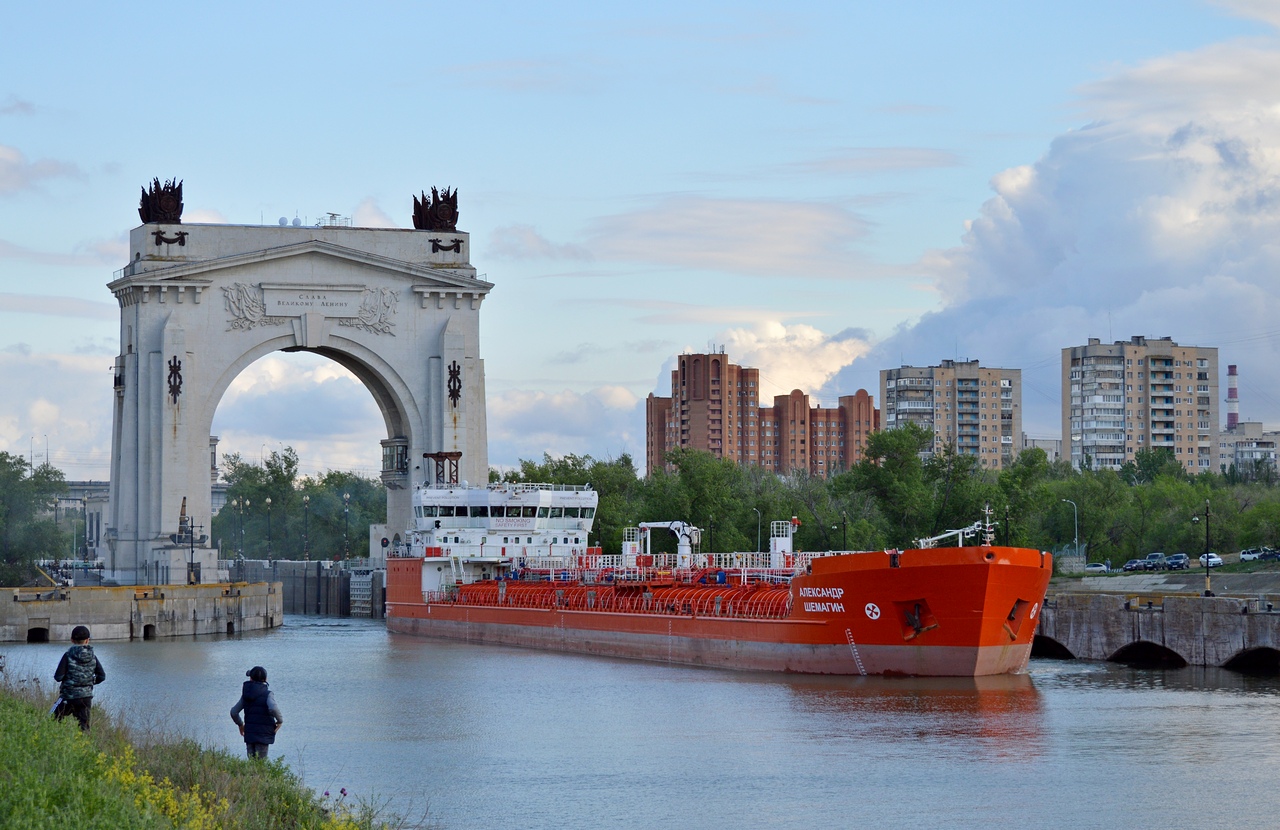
x,y
718,601
513,487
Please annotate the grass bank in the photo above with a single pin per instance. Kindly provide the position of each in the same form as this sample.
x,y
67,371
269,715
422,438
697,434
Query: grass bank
x,y
53,776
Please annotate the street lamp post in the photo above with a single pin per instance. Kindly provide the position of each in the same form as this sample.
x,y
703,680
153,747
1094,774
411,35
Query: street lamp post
x,y
234,504
759,518
306,522
268,527
244,505
1196,520
844,531
346,507
1075,512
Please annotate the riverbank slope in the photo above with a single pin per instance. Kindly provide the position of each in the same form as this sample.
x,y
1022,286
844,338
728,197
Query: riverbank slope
x,y
54,776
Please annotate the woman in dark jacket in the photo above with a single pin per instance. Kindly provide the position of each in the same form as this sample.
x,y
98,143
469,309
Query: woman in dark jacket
x,y
262,718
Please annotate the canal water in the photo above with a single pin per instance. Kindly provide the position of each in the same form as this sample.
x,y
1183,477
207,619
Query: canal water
x,y
485,737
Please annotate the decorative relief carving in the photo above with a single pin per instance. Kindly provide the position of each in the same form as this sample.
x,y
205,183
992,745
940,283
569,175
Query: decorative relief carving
x,y
244,304
163,203
438,214
180,237
252,305
376,312
175,378
455,245
455,383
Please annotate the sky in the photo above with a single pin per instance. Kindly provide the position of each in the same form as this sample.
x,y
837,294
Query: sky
x,y
822,190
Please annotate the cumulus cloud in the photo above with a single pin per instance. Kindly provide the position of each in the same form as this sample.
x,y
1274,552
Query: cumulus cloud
x,y
370,215
306,402
604,422
793,357
765,237
66,402
1159,217
16,173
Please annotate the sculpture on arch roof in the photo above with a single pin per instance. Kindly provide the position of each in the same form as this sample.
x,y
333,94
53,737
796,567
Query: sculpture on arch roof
x,y
163,203
440,213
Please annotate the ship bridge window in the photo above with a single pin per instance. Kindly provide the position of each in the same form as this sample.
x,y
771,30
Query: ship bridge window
x,y
481,510
529,512
446,510
543,511
513,512
557,512
571,512
428,511
588,512
576,540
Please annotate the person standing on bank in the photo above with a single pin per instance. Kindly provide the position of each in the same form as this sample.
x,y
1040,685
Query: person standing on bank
x,y
262,718
78,671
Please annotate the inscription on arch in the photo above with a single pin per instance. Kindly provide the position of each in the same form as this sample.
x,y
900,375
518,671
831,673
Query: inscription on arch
x,y
355,306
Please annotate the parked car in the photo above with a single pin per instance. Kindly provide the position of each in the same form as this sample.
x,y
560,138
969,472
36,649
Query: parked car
x,y
1178,562
1096,568
1154,562
1134,565
1250,554
1269,554
1214,560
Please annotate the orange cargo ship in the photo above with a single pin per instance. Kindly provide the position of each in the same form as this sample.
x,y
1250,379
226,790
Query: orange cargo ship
x,y
508,565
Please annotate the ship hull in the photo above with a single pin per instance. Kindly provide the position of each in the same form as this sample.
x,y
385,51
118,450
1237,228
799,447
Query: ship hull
x,y
949,612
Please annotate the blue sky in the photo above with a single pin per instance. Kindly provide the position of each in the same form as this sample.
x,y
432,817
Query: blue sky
x,y
824,189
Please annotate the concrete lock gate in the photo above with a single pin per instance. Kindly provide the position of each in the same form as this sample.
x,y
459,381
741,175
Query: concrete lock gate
x,y
400,309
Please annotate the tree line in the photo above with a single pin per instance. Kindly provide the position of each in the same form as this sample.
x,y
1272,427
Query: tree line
x,y
895,496
31,527
326,516
889,499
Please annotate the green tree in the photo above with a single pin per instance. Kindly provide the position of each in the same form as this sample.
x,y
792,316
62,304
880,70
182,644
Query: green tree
x,y
892,473
28,528
323,527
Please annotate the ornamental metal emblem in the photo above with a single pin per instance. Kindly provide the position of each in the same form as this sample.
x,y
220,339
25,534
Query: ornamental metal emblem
x,y
439,213
163,203
175,378
455,383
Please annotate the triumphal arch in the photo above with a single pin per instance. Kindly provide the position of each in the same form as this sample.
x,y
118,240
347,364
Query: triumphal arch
x,y
398,308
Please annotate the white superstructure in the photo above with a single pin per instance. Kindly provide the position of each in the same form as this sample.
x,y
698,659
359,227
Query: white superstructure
x,y
467,533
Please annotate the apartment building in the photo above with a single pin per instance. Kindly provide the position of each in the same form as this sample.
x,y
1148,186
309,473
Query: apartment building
x,y
1142,393
715,406
975,408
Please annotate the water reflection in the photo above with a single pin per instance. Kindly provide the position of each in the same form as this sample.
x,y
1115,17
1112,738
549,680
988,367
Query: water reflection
x,y
492,736
1000,716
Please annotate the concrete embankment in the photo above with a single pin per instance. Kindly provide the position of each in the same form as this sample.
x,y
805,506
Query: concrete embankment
x,y
143,612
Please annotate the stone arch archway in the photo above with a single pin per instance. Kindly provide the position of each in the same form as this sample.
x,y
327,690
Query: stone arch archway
x,y
1261,660
200,303
1148,654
